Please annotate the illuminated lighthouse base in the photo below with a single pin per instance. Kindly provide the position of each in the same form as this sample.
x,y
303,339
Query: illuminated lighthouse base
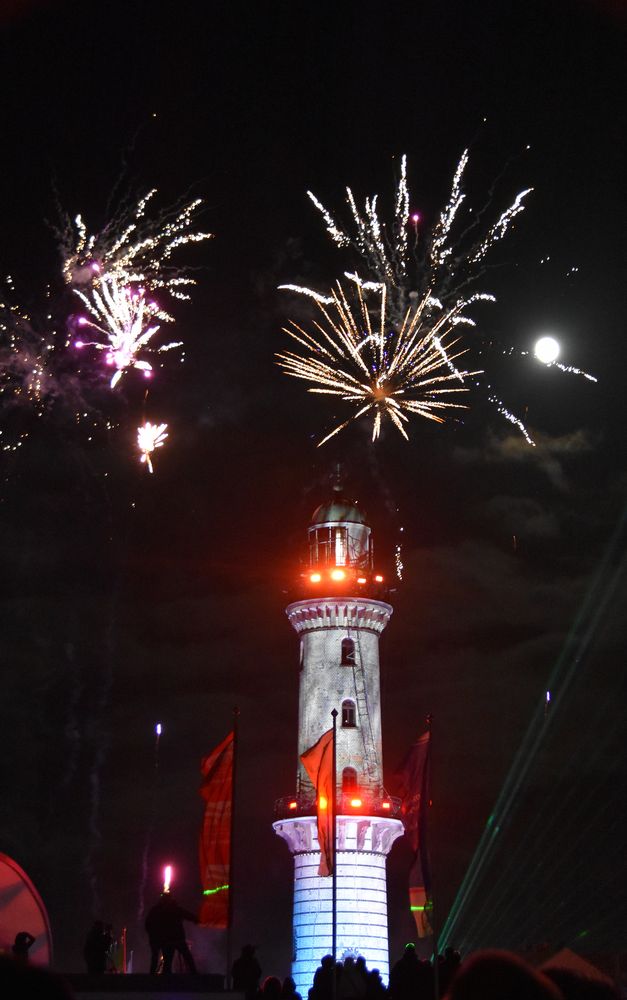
x,y
363,843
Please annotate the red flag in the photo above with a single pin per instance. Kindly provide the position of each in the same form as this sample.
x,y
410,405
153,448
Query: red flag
x,y
215,837
415,775
318,763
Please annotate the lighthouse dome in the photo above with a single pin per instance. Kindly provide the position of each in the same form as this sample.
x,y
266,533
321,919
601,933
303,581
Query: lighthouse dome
x,y
337,510
339,535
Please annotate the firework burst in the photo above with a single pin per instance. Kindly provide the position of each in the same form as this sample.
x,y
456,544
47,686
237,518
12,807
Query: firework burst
x,y
127,319
25,375
133,248
441,263
149,437
29,369
425,279
382,369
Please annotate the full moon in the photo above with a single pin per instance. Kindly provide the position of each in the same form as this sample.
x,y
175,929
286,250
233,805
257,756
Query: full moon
x,y
546,350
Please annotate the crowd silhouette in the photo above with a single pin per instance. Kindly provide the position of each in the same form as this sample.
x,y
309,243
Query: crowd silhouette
x,y
485,975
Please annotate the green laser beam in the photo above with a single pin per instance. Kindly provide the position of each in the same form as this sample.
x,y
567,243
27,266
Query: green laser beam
x,y
577,643
211,892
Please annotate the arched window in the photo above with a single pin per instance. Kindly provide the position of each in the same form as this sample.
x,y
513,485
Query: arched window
x,y
348,714
348,653
349,780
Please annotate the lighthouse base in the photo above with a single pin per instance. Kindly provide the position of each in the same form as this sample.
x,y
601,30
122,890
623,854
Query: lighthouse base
x,y
363,843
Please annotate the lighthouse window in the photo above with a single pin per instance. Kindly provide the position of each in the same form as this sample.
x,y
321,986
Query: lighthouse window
x,y
320,547
348,714
340,546
348,653
349,779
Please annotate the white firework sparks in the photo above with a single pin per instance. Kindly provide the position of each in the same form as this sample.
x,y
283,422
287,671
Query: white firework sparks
x,y
571,370
398,561
439,263
383,369
127,319
431,273
24,359
149,437
133,248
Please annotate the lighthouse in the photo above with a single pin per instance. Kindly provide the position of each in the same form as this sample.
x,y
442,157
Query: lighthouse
x,y
338,621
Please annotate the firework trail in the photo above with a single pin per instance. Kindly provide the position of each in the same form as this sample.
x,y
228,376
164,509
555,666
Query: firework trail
x,y
425,282
126,318
547,351
71,729
440,264
149,437
381,370
133,248
101,747
141,906
571,370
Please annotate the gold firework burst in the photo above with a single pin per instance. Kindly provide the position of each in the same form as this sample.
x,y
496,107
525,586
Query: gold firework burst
x,y
358,355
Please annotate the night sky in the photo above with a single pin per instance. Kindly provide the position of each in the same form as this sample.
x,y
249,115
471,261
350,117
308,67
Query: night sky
x,y
128,599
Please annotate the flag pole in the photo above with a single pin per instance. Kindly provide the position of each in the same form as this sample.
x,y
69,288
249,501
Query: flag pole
x,y
434,932
334,852
229,926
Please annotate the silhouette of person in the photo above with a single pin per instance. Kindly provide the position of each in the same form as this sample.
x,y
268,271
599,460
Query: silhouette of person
x,y
21,945
375,990
405,975
500,975
97,947
270,989
246,972
326,972
166,934
448,965
352,984
289,991
21,981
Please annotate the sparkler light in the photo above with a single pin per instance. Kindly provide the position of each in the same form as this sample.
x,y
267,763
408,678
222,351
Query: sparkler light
x,y
167,878
382,369
149,437
132,248
127,319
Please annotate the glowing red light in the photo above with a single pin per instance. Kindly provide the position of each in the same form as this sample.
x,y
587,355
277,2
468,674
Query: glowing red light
x,y
315,578
378,578
356,803
293,804
361,579
337,574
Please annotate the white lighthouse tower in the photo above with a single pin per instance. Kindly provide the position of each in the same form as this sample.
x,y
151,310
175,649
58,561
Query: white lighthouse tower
x,y
339,623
